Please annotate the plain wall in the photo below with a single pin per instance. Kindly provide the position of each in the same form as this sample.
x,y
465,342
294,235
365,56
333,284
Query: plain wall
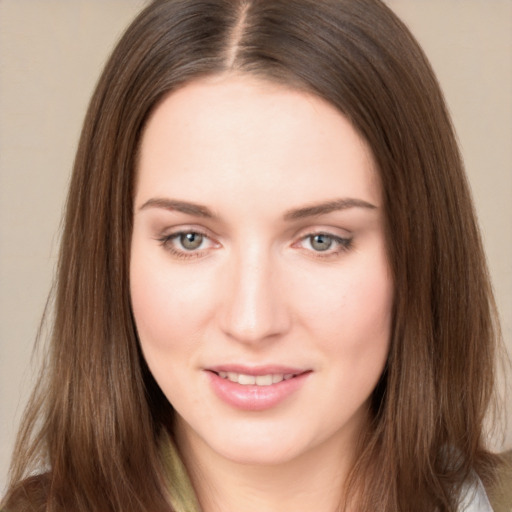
x,y
51,53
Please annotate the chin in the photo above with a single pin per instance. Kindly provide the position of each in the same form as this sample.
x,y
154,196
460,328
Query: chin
x,y
260,455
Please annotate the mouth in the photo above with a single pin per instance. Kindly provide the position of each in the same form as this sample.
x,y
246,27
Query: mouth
x,y
256,388
255,380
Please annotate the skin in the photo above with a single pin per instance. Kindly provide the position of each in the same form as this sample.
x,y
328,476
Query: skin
x,y
258,290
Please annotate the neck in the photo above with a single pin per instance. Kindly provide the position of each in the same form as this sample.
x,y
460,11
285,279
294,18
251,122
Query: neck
x,y
313,481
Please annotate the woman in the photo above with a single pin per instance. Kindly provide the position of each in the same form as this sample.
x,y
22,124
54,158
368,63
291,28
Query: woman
x,y
271,283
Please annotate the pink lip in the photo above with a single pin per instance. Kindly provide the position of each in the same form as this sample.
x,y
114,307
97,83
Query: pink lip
x,y
256,370
252,397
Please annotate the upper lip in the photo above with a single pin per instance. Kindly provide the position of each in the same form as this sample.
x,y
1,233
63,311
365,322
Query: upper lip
x,y
257,370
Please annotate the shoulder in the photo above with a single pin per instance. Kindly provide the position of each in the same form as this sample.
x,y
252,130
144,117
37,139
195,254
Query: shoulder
x,y
474,498
30,495
500,494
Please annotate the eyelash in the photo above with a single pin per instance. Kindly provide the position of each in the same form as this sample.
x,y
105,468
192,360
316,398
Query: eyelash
x,y
166,242
343,244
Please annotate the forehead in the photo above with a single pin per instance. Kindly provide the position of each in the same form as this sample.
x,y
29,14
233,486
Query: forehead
x,y
220,137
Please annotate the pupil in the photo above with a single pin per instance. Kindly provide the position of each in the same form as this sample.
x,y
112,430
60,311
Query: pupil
x,y
321,242
191,240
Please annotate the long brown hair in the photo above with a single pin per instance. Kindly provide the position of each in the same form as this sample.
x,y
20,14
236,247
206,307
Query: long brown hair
x,y
91,432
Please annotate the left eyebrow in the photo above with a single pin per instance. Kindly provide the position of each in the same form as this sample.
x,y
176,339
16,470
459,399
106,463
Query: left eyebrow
x,y
186,207
327,207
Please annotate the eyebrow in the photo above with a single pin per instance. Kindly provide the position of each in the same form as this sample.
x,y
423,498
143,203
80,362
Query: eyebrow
x,y
327,207
313,210
196,210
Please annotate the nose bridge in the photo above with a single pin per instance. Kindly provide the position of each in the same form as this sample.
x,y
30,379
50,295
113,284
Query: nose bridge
x,y
254,308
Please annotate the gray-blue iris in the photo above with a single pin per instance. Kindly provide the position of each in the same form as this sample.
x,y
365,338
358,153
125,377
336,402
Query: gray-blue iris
x,y
191,241
321,242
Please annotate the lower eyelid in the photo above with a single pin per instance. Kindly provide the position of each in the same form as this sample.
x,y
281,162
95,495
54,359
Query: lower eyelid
x,y
167,241
341,246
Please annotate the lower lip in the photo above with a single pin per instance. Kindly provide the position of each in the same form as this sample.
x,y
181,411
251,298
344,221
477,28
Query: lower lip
x,y
255,398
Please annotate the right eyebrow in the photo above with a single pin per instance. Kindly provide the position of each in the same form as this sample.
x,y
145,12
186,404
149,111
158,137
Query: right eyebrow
x,y
327,207
194,209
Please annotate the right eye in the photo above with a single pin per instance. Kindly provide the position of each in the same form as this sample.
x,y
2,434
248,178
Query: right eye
x,y
187,244
190,241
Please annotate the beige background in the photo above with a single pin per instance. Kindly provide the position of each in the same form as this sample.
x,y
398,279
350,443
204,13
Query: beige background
x,y
51,52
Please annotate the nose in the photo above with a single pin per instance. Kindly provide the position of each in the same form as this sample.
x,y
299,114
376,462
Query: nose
x,y
255,308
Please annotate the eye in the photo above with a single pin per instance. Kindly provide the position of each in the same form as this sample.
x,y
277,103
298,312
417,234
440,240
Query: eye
x,y
187,244
321,242
190,241
325,244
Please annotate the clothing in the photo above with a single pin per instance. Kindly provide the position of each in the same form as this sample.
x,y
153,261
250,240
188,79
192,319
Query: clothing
x,y
474,498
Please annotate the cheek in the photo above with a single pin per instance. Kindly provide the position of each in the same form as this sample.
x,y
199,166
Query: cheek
x,y
350,320
166,321
353,304
167,307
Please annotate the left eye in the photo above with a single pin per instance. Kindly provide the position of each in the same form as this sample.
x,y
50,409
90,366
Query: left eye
x,y
190,241
323,242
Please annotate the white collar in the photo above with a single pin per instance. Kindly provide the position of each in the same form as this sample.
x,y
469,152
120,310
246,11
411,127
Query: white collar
x,y
474,498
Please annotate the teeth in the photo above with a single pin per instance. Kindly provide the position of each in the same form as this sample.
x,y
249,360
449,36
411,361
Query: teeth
x,y
253,380
276,378
246,379
264,380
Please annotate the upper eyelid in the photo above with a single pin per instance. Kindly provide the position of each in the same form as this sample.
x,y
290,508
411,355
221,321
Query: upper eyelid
x,y
178,230
178,233
337,232
302,234
336,238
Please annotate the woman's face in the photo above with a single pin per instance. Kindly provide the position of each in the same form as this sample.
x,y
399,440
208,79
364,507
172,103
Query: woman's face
x,y
259,278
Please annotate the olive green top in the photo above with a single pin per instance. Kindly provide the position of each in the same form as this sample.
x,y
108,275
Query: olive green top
x,y
476,499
